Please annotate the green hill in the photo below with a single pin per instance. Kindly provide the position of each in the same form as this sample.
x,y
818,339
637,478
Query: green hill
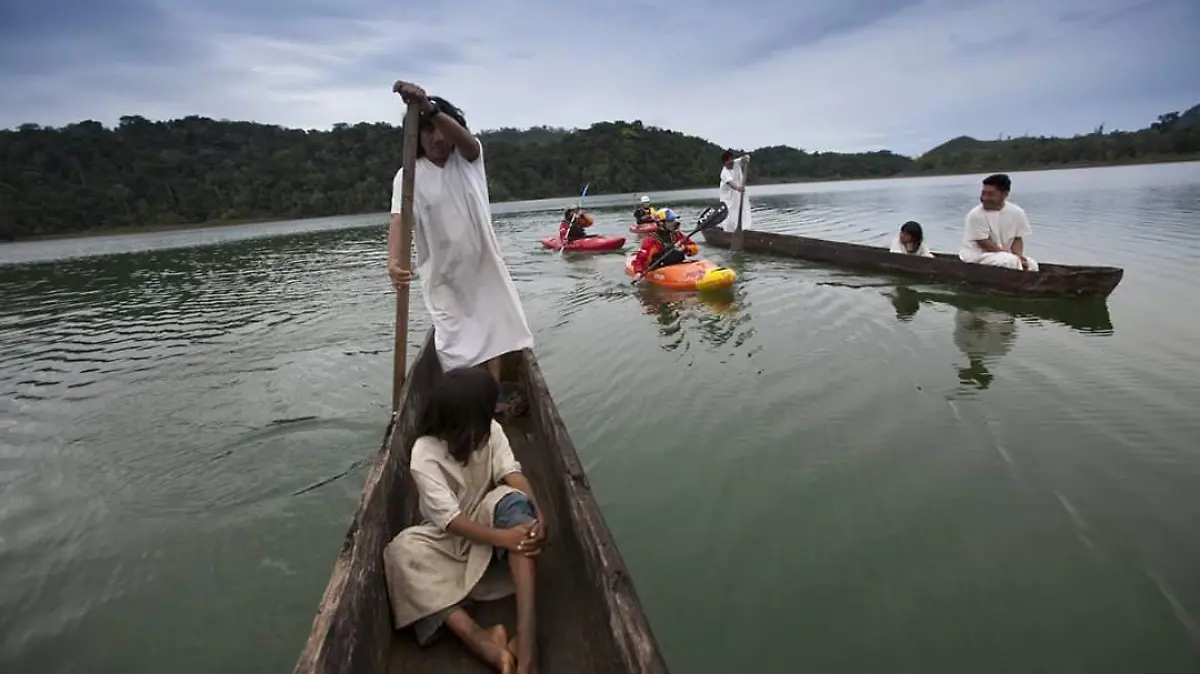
x,y
142,173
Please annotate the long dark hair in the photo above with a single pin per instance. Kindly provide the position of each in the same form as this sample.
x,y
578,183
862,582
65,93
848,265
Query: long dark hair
x,y
913,228
459,411
426,120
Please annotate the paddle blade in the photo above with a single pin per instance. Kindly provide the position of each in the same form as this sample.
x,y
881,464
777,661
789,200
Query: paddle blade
x,y
712,216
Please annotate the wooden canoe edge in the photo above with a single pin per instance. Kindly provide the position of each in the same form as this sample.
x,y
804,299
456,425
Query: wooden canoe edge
x,y
638,648
1054,280
351,633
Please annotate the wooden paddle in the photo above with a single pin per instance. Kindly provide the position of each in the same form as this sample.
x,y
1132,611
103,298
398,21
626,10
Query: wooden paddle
x,y
736,240
409,163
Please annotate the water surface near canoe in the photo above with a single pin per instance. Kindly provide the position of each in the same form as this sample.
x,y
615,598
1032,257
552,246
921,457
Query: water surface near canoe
x,y
825,472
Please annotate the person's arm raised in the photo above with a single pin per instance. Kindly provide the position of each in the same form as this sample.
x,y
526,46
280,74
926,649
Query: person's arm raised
x,y
466,143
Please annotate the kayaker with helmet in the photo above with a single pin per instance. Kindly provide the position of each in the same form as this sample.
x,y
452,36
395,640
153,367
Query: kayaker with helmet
x,y
573,223
665,247
644,213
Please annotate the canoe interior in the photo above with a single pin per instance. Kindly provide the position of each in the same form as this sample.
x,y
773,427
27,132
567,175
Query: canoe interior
x,y
589,615
1053,280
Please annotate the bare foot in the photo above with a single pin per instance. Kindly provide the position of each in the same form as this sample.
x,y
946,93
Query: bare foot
x,y
497,640
522,667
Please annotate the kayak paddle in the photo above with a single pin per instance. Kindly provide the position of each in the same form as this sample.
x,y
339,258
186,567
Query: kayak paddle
x,y
562,240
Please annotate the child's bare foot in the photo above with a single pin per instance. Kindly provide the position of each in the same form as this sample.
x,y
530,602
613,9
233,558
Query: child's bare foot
x,y
502,658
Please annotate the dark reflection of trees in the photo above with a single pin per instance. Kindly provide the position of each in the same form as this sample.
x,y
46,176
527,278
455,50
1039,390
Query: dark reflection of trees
x,y
714,317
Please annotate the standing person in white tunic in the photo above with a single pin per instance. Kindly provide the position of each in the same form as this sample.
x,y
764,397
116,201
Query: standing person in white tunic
x,y
996,229
733,185
476,312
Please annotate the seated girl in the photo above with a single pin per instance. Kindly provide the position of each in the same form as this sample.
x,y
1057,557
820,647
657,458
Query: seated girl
x,y
911,240
573,223
481,527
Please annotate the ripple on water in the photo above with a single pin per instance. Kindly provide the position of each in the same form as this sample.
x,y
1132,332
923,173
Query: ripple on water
x,y
182,422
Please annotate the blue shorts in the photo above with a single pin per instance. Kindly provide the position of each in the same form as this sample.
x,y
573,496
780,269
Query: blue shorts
x,y
512,510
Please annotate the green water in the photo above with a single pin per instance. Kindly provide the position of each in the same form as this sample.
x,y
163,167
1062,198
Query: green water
x,y
824,472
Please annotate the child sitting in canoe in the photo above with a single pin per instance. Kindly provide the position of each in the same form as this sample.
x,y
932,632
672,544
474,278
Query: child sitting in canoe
x,y
481,527
573,223
666,246
911,240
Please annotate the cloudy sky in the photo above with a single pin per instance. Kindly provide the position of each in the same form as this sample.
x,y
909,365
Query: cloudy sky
x,y
818,74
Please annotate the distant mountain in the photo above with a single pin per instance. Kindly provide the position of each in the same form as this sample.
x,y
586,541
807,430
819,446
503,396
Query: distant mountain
x,y
1171,136
143,173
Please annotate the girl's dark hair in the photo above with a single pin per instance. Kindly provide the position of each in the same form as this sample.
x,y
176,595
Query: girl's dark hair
x,y
913,228
726,156
459,411
447,108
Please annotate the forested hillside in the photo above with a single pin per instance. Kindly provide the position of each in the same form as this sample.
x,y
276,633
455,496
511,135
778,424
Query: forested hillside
x,y
144,173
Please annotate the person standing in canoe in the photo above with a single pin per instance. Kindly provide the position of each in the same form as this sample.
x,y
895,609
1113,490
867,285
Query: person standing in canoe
x,y
667,246
995,230
476,312
911,240
478,515
732,189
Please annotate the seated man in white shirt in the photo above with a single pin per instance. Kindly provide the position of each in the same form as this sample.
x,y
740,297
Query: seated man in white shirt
x,y
996,229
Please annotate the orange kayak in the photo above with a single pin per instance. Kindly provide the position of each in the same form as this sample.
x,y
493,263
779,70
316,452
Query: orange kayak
x,y
694,275
644,228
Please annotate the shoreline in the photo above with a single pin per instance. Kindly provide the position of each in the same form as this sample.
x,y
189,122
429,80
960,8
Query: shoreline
x,y
126,230
160,229
1178,159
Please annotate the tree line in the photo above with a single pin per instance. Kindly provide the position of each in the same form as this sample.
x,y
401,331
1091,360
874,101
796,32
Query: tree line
x,y
143,173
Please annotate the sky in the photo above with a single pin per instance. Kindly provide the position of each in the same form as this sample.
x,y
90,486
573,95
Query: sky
x,y
823,75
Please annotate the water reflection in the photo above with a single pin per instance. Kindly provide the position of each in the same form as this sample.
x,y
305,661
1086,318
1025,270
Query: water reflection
x,y
1084,316
983,336
986,327
716,315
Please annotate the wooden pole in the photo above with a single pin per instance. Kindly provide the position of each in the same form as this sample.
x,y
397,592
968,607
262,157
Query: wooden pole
x,y
735,242
409,158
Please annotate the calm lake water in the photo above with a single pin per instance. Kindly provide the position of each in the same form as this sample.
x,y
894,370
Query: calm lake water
x,y
825,472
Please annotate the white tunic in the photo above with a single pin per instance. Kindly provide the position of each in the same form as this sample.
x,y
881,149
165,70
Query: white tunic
x,y
1003,226
426,567
468,291
731,197
898,247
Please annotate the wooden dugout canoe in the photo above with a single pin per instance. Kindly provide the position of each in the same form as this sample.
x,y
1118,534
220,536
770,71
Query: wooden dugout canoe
x,y
589,617
1053,280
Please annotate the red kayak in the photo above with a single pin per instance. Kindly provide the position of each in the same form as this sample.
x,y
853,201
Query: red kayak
x,y
591,244
645,228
